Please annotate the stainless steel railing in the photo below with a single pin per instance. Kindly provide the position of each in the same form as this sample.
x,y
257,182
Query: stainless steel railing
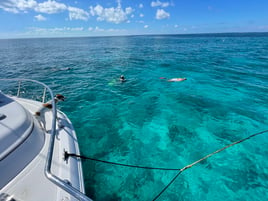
x,y
53,178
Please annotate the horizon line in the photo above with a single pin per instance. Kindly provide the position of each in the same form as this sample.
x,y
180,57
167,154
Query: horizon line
x,y
130,35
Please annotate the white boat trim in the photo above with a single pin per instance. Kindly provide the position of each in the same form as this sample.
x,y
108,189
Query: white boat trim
x,y
63,184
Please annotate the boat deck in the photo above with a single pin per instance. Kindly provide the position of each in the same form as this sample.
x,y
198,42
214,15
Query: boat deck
x,y
31,183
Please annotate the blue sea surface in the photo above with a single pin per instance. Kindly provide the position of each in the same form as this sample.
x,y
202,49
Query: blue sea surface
x,y
149,121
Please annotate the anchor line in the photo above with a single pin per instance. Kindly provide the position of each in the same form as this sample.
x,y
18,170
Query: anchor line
x,y
67,155
204,158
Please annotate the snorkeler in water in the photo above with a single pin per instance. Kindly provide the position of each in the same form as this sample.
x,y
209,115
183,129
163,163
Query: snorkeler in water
x,y
122,78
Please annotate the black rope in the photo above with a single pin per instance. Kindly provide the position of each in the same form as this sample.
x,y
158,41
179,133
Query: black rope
x,y
204,158
164,189
66,156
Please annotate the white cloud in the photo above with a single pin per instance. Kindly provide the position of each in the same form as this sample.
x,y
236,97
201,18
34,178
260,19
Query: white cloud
x,y
176,26
98,29
16,6
159,3
141,15
161,14
56,30
75,28
23,4
129,10
140,5
50,7
146,26
97,10
113,15
77,14
40,18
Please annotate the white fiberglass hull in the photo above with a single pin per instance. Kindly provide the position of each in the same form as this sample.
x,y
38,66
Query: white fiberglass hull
x,y
34,168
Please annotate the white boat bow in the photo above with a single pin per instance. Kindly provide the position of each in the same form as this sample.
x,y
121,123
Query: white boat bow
x,y
32,165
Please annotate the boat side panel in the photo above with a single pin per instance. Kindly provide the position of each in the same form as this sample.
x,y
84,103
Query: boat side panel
x,y
17,160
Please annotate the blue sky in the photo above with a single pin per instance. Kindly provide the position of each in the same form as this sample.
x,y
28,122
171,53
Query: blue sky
x,y
67,18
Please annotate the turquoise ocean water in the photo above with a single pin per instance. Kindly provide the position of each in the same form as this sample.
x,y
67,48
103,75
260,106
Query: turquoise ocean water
x,y
148,121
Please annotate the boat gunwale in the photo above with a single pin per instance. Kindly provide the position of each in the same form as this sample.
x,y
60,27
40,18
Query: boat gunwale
x,y
53,178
